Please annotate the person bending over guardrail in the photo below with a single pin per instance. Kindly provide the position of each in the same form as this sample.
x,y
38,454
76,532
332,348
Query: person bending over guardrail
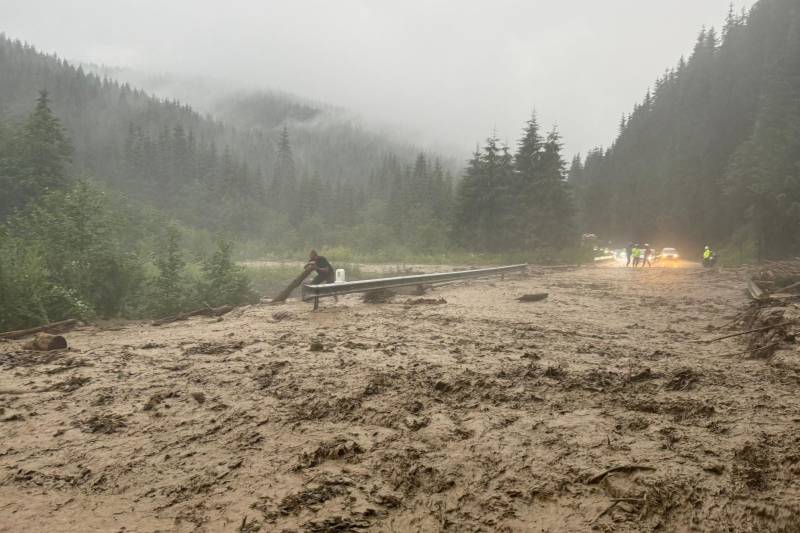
x,y
325,271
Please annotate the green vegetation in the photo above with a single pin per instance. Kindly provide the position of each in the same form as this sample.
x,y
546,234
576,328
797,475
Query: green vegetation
x,y
516,203
712,154
71,250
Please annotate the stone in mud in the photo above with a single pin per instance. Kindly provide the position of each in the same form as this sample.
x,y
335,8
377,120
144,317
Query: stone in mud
x,y
537,297
714,468
316,346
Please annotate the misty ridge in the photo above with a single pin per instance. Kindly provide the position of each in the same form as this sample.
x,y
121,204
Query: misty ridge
x,y
192,167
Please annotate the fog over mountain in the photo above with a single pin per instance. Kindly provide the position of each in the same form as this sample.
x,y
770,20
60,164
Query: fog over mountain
x,y
446,73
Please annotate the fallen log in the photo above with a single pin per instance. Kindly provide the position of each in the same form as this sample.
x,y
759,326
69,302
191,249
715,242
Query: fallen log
x,y
44,342
62,325
205,311
292,286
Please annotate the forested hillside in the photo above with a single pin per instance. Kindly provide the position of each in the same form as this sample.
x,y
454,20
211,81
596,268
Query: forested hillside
x,y
274,170
326,140
712,153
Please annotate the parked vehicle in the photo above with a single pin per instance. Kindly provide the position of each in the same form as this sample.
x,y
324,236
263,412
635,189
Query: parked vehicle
x,y
669,254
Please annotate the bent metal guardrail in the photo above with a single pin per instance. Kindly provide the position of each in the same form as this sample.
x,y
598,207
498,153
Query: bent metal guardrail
x,y
316,292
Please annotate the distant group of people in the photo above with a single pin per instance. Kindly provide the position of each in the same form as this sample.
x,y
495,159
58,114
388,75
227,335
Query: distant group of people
x,y
639,255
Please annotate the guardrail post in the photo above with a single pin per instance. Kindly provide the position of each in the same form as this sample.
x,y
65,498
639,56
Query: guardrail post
x,y
316,302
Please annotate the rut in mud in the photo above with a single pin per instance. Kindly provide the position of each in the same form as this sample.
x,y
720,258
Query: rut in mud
x,y
593,408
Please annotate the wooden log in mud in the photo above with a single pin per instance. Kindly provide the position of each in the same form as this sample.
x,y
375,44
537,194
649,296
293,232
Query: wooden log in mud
x,y
44,342
62,325
205,311
292,286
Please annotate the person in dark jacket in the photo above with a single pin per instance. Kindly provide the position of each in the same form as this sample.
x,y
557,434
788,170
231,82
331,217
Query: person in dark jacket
x,y
323,267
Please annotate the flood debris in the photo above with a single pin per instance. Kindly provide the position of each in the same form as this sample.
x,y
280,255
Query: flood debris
x,y
336,450
683,379
772,320
104,423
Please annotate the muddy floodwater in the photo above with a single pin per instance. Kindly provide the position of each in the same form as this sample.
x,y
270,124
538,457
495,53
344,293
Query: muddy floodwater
x,y
467,410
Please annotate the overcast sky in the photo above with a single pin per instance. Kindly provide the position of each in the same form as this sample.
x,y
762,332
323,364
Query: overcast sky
x,y
447,72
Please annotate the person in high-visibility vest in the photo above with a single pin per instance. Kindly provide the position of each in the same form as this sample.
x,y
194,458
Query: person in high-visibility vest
x,y
707,253
636,252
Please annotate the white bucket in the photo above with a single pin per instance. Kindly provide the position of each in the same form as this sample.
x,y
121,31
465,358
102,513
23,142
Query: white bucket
x,y
340,275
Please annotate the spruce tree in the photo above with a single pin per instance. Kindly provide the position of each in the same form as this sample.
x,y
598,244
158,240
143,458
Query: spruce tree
x,y
34,158
543,211
283,188
168,286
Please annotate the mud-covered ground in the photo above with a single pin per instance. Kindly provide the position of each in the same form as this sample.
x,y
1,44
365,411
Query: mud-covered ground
x,y
471,413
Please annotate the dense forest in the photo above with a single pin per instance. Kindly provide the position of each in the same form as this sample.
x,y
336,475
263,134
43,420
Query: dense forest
x,y
118,203
68,249
712,153
274,171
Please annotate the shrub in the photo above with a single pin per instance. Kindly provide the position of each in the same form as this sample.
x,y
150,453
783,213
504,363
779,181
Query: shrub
x,y
80,239
27,297
223,281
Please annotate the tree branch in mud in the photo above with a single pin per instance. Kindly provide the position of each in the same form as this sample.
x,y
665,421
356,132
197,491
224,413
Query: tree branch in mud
x,y
206,311
60,326
764,328
624,468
